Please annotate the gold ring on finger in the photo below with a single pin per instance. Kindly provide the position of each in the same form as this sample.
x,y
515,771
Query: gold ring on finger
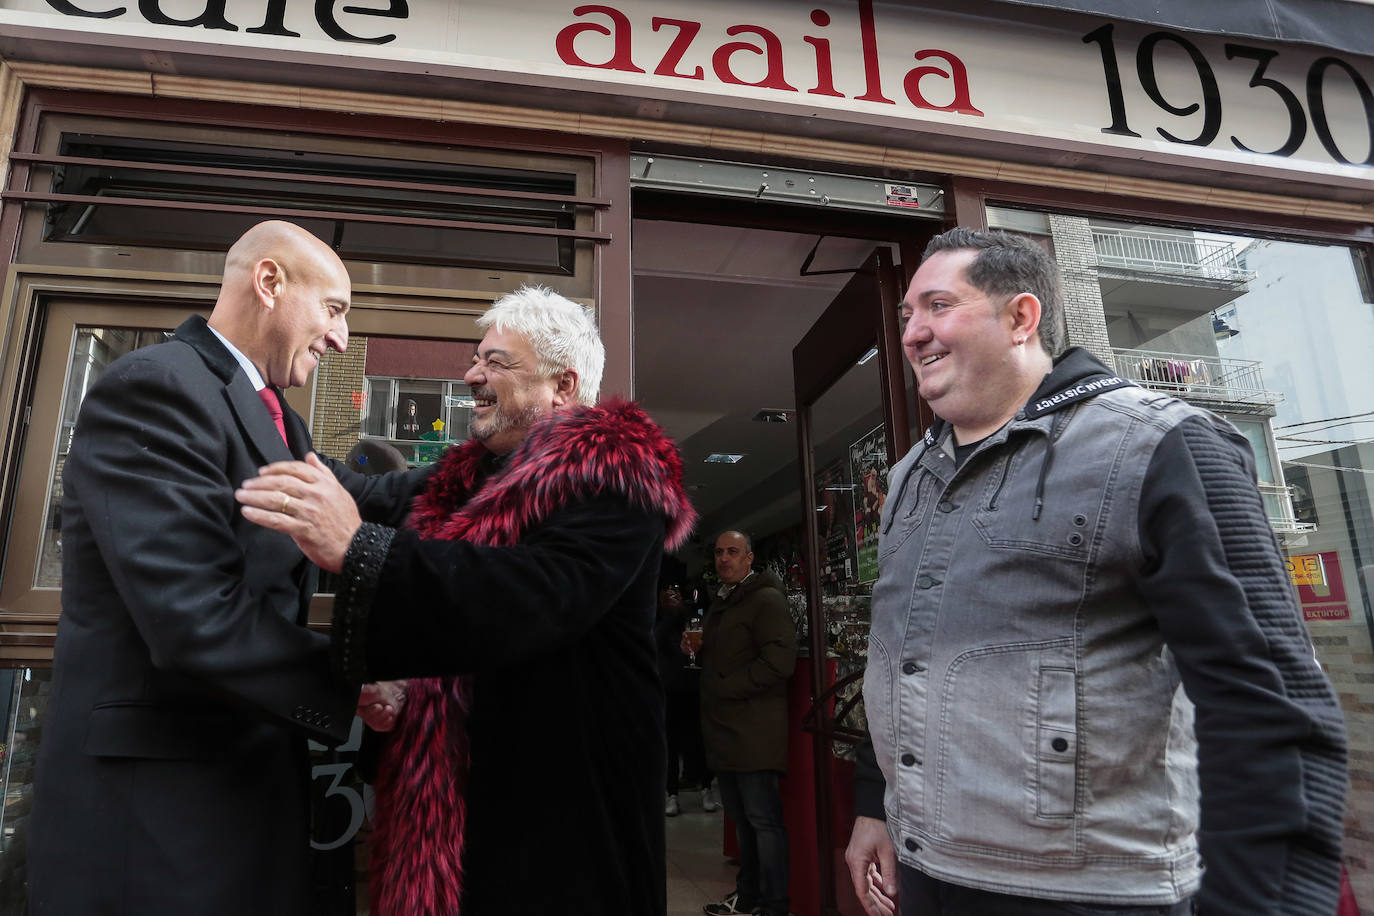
x,y
285,502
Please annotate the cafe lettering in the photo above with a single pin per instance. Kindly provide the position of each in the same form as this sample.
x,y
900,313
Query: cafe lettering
x,y
215,16
690,45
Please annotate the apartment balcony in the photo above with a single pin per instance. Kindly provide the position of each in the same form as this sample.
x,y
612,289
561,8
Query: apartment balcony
x,y
1278,505
1177,255
1169,272
1235,385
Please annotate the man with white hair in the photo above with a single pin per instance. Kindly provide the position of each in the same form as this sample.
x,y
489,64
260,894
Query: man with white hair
x,y
521,594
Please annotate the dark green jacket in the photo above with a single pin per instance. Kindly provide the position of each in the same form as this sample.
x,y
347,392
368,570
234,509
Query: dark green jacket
x,y
748,650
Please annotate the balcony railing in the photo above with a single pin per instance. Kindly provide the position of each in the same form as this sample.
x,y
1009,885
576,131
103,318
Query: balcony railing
x,y
1176,255
1278,505
1207,378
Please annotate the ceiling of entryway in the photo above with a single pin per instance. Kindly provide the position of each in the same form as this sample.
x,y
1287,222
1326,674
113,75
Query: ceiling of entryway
x,y
717,311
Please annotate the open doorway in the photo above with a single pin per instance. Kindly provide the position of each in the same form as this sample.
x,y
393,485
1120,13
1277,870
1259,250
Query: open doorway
x,y
718,310
719,314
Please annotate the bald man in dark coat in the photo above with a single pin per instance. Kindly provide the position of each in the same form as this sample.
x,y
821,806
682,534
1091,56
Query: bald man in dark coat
x,y
173,774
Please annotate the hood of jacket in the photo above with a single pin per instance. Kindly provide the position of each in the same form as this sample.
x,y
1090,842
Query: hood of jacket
x,y
1076,376
761,578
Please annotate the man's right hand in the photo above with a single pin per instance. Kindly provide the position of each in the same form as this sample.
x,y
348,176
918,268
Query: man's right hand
x,y
873,866
380,704
305,500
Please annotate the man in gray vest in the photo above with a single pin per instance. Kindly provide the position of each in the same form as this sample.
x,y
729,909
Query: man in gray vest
x,y
1089,689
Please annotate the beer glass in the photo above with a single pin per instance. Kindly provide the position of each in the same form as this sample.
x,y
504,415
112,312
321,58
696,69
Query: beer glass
x,y
692,633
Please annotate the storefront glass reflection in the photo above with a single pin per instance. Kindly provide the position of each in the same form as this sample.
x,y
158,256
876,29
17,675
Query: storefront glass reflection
x,y
1277,337
341,826
341,802
406,392
849,454
25,695
94,350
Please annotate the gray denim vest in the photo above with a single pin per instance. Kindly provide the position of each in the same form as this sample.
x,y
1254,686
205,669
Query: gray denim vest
x,y
1025,713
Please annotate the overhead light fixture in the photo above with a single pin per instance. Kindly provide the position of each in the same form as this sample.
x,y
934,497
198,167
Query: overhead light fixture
x,y
1221,330
722,458
872,352
773,415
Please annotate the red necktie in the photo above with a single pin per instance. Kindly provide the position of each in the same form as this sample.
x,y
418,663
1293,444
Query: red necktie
x,y
269,399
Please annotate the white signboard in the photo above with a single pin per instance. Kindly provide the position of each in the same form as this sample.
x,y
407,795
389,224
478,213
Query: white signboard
x,y
1108,88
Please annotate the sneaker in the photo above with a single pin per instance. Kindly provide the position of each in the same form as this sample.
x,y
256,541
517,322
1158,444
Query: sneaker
x,y
671,808
727,907
709,801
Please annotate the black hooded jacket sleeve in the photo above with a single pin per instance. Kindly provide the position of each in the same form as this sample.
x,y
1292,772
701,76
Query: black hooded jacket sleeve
x,y
1271,739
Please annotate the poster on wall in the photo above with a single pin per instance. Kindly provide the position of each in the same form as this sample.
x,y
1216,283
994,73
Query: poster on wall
x,y
1320,585
416,411
868,470
835,524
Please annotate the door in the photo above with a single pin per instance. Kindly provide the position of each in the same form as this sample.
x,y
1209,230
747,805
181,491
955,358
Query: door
x,y
852,411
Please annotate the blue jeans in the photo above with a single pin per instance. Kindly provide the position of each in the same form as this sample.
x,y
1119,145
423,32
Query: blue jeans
x,y
922,895
755,805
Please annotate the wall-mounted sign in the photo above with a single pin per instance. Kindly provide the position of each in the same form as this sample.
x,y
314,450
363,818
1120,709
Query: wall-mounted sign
x,y
1106,88
868,471
835,525
1320,585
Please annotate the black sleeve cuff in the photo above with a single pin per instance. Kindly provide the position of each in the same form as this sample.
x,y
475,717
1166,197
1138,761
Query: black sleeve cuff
x,y
362,567
369,758
869,785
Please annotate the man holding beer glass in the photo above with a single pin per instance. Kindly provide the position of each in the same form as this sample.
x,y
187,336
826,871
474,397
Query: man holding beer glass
x,y
747,653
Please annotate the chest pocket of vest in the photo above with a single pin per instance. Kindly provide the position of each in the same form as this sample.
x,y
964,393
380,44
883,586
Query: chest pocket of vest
x,y
1005,515
910,514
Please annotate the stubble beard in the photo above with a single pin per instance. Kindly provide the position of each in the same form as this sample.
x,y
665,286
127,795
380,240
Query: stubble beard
x,y
502,421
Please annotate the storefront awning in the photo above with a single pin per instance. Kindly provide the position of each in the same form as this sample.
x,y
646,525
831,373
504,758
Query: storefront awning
x,y
1340,25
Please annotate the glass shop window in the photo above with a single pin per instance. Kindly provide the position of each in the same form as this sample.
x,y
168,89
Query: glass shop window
x,y
344,205
24,697
403,397
420,417
94,350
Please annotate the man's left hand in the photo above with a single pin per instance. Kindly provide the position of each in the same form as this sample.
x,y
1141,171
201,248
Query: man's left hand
x,y
303,499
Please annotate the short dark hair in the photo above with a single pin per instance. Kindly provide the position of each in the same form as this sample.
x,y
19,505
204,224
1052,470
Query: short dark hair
x,y
748,538
1006,265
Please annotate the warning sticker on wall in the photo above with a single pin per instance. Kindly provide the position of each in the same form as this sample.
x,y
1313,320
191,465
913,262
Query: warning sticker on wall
x,y
901,195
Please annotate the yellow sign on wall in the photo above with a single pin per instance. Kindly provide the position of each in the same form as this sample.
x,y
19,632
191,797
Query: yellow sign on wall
x,y
1306,569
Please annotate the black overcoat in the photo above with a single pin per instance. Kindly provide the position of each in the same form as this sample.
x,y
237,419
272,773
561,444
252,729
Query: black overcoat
x,y
172,770
555,633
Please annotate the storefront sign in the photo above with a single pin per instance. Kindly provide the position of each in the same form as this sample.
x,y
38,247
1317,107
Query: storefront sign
x,y
1107,88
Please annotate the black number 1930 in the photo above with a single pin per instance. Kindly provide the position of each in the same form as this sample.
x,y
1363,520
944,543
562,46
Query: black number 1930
x,y
1210,105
